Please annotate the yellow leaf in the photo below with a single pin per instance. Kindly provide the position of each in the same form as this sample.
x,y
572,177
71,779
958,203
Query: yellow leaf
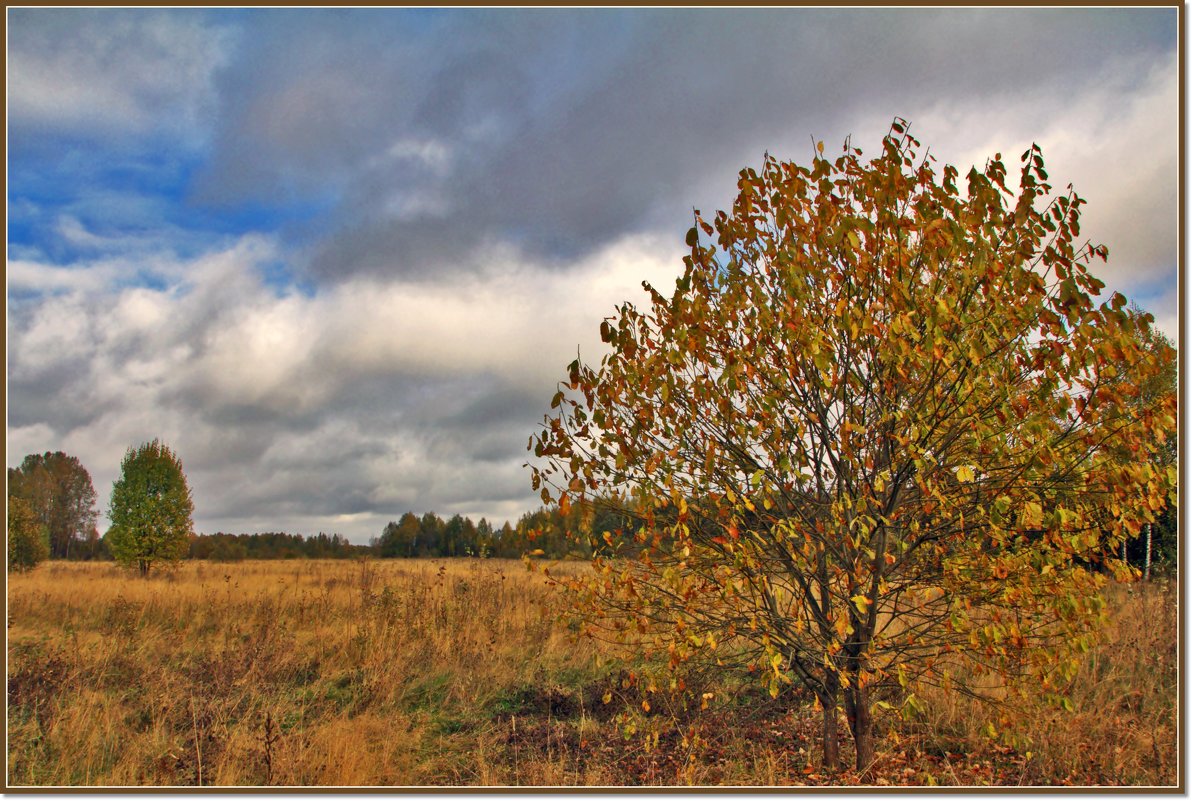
x,y
1032,514
965,474
819,146
861,602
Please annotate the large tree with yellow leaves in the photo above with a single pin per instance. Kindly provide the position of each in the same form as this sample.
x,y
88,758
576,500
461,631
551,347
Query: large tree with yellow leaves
x,y
880,435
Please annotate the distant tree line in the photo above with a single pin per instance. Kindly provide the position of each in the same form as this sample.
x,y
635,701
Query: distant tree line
x,y
221,547
52,514
539,533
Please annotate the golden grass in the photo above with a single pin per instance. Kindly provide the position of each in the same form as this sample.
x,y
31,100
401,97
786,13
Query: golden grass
x,y
1122,728
370,670
448,672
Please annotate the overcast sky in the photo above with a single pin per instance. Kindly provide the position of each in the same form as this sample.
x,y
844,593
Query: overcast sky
x,y
339,259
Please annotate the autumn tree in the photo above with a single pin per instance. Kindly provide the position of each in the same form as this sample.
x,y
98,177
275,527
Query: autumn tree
x,y
150,509
28,537
872,441
454,536
60,494
430,535
484,538
506,546
400,538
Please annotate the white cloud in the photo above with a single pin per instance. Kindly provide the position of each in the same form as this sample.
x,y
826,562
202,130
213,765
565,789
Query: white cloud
x,y
140,257
219,342
72,231
111,70
430,153
295,353
520,319
56,333
1116,142
25,275
23,440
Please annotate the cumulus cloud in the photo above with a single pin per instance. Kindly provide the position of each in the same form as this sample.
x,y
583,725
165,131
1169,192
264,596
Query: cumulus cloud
x,y
367,399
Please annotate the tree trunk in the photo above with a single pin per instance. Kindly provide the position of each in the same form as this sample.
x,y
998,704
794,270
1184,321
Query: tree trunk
x,y
1146,571
143,564
831,737
860,722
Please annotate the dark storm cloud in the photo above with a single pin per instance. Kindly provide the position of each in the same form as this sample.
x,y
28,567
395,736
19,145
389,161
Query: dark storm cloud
x,y
496,406
491,428
57,396
558,130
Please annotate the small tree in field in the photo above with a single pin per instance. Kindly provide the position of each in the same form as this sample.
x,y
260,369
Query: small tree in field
x,y
879,437
150,509
28,538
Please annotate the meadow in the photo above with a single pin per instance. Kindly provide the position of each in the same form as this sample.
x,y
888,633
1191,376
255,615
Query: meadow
x,y
455,672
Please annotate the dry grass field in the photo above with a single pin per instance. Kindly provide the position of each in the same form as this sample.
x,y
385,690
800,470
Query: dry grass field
x,y
401,673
